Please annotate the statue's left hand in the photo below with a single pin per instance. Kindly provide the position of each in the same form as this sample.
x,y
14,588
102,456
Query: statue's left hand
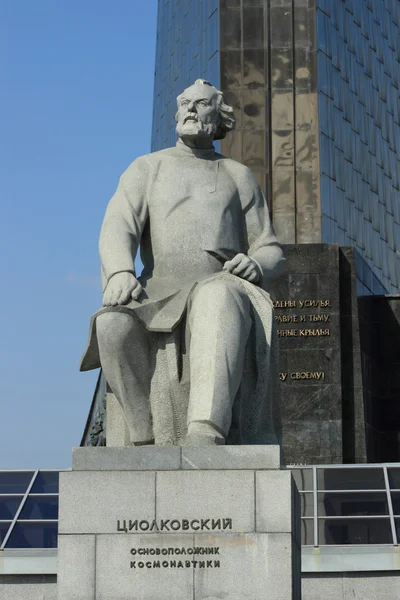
x,y
243,266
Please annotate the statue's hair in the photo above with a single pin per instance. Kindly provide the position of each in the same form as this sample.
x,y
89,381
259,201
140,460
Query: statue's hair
x,y
227,119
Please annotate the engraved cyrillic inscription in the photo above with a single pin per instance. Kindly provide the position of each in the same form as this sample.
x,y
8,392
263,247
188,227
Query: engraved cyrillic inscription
x,y
220,524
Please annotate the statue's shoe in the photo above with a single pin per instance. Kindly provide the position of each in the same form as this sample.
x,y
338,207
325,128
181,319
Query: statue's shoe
x,y
147,443
201,439
203,434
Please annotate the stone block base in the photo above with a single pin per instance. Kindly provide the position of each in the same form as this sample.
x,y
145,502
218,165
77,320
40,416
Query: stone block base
x,y
171,529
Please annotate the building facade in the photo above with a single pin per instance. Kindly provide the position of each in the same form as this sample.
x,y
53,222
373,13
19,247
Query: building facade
x,y
350,523
315,88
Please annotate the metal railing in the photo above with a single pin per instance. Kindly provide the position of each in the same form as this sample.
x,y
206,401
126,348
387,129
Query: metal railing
x,y
340,505
18,490
349,504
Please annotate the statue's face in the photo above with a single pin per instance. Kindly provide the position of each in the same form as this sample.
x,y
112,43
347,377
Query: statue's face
x,y
198,113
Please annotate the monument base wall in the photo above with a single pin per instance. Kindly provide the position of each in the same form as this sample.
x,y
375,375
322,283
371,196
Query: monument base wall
x,y
178,523
366,585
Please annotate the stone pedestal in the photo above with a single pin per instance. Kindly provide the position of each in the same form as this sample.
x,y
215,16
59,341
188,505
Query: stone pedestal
x,y
177,523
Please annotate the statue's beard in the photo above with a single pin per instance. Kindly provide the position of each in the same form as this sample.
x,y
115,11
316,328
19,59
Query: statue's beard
x,y
194,129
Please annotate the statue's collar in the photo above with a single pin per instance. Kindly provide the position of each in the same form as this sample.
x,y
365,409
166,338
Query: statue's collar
x,y
200,153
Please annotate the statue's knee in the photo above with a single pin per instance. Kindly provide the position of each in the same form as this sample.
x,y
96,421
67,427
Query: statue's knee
x,y
215,288
216,292
219,298
113,327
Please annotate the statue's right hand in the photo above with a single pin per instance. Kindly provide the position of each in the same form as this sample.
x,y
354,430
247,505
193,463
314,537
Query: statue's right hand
x,y
121,288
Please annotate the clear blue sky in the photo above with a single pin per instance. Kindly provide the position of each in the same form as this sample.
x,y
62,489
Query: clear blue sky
x,y
76,91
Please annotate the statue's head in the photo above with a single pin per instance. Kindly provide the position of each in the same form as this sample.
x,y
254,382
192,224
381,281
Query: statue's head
x,y
202,113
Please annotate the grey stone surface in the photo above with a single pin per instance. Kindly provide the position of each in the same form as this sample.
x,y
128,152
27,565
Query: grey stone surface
x,y
252,567
220,241
207,495
231,457
184,533
138,458
93,501
359,586
76,567
275,496
245,567
115,578
326,586
28,587
285,564
117,429
165,458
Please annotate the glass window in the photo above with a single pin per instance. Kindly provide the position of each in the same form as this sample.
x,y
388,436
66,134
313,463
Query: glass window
x,y
396,503
358,504
350,479
15,482
3,530
33,535
9,506
307,504
307,532
40,507
303,479
46,482
394,478
354,531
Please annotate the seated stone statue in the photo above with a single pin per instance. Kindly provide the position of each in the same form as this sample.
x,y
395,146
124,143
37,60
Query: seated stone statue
x,y
189,347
